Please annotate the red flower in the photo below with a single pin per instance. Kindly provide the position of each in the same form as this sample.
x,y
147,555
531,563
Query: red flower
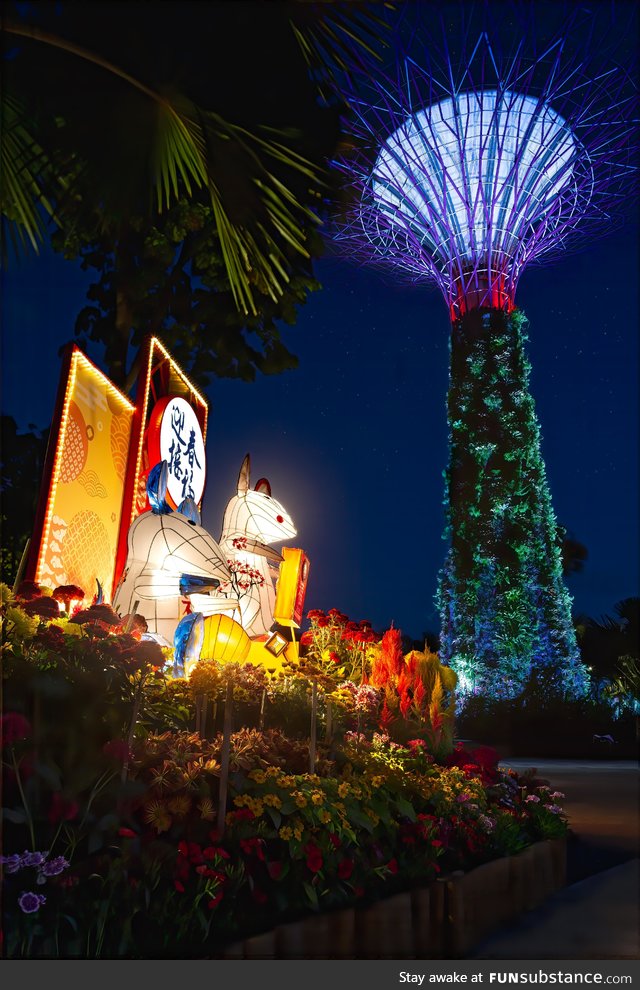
x,y
322,622
345,868
275,870
215,900
334,656
243,815
314,857
334,840
13,727
307,638
67,593
117,749
102,614
43,606
315,613
27,590
392,866
179,886
127,833
212,851
195,852
62,809
252,846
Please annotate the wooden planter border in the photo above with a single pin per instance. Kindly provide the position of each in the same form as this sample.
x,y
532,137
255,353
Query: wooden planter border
x,y
443,920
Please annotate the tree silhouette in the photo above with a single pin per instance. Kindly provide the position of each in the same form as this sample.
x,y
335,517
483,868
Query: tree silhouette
x,y
216,111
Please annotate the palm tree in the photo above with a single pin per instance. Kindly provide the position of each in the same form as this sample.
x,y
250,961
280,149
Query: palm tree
x,y
180,146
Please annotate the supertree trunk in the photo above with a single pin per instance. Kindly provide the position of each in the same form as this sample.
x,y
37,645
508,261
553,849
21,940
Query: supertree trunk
x,y
506,614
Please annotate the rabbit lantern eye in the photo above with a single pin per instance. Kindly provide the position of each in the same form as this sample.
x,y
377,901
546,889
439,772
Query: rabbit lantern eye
x,y
280,519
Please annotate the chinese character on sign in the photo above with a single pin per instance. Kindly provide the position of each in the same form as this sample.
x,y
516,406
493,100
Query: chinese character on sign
x,y
182,446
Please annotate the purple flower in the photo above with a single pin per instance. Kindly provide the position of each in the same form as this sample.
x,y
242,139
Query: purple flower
x,y
34,858
554,809
532,797
54,866
30,902
11,863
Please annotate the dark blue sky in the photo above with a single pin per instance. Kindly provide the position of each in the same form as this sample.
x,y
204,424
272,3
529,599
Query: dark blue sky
x,y
354,440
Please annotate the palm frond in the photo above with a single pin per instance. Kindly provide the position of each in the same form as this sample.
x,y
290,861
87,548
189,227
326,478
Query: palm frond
x,y
335,37
185,156
23,202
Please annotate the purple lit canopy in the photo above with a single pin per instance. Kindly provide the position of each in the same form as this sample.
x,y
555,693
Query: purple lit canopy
x,y
467,170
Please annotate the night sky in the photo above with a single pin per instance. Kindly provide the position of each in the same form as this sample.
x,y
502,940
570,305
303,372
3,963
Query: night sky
x,y
354,440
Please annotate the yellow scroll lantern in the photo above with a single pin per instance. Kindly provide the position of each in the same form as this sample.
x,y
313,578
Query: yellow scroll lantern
x,y
224,640
291,587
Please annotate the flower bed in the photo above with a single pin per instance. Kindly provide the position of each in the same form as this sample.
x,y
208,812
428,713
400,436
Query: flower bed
x,y
129,834
442,920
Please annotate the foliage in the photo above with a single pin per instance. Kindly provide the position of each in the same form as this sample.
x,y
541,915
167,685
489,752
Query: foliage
x,y
198,201
606,641
543,724
505,612
21,465
112,843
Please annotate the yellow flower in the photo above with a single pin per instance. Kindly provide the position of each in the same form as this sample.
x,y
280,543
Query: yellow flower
x,y
286,832
272,801
343,789
180,805
206,809
156,814
73,629
300,799
6,594
240,800
324,816
258,775
317,797
23,626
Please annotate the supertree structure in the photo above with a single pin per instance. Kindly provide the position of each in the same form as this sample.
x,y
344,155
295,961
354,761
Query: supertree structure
x,y
472,159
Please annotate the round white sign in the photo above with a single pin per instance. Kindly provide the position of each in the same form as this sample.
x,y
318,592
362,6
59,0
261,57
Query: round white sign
x,y
182,447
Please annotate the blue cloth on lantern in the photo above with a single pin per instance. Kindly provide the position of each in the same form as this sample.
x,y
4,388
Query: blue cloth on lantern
x,y
187,641
189,509
190,583
157,481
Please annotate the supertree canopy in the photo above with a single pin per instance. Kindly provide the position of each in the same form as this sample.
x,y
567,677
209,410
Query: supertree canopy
x,y
472,157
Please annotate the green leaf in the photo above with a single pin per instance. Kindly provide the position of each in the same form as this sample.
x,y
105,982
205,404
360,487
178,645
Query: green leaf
x,y
275,816
17,817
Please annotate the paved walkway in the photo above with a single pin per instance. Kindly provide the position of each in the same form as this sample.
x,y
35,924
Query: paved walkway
x,y
597,916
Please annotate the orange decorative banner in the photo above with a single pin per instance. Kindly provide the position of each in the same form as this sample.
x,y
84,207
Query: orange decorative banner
x,y
77,531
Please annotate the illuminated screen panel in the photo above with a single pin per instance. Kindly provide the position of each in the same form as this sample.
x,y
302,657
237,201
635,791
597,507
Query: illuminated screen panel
x,y
160,376
81,523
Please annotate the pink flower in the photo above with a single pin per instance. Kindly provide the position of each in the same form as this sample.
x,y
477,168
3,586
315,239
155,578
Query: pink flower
x,y
62,809
13,727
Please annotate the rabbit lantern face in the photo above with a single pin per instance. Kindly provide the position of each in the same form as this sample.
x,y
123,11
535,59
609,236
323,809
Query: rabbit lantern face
x,y
253,519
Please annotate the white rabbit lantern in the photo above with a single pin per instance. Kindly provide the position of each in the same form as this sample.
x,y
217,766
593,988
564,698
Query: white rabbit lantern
x,y
253,519
170,556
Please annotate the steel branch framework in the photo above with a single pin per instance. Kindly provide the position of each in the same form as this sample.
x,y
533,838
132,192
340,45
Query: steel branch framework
x,y
468,170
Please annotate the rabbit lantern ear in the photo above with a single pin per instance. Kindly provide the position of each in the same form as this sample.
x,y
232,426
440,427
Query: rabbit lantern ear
x,y
263,486
157,481
243,477
189,509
